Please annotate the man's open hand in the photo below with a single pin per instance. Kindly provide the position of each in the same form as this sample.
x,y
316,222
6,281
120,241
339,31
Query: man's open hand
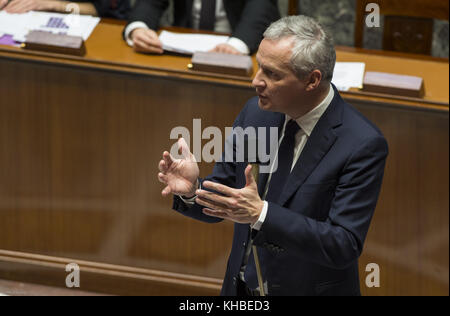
x,y
179,175
242,206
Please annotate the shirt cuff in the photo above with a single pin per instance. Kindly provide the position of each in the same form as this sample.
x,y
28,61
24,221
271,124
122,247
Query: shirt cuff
x,y
262,217
130,28
239,45
191,201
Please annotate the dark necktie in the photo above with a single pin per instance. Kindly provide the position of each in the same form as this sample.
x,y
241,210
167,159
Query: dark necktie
x,y
285,160
208,15
276,186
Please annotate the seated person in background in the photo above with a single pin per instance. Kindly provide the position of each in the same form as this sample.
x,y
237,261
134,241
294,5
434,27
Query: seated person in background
x,y
118,9
246,20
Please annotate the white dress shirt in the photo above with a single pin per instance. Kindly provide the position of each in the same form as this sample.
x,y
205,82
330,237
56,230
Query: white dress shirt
x,y
221,25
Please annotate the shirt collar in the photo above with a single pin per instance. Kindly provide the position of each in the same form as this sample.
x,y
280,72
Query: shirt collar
x,y
308,121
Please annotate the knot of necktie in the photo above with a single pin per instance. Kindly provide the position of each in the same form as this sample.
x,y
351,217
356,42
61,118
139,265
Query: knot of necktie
x,y
291,129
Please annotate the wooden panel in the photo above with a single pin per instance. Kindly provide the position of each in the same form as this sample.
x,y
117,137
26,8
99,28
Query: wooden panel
x,y
85,145
409,236
103,278
412,35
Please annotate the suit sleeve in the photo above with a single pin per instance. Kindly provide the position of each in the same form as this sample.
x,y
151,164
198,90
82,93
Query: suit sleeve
x,y
254,20
223,173
149,12
106,8
337,241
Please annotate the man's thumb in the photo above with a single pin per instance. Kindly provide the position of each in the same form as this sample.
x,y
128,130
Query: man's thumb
x,y
249,177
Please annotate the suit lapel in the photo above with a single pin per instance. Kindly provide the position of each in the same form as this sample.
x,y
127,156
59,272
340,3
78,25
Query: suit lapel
x,y
319,143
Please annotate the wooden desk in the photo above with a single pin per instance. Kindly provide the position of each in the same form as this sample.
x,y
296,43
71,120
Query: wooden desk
x,y
81,139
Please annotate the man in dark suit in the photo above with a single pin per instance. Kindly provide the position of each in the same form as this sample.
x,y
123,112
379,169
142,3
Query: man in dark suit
x,y
308,217
246,20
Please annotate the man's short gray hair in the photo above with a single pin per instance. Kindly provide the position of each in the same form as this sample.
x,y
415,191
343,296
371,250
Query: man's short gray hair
x,y
313,46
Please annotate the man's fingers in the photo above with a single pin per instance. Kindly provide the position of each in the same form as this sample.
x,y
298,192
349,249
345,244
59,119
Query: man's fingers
x,y
219,188
162,166
216,199
168,159
18,6
162,178
155,43
151,38
213,204
3,3
12,5
166,191
143,47
226,49
215,213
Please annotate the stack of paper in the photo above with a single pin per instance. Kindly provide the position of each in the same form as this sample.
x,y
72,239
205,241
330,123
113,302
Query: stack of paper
x,y
348,75
190,43
18,25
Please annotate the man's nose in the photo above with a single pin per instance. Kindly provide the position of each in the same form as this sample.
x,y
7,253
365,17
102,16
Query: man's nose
x,y
257,82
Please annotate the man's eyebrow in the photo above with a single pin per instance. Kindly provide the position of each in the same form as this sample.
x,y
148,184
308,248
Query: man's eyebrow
x,y
270,68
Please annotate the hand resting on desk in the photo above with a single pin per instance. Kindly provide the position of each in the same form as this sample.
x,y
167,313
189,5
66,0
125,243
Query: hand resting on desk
x,y
147,41
23,6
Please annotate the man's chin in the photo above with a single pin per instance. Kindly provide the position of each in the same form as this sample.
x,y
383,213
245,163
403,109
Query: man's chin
x,y
264,104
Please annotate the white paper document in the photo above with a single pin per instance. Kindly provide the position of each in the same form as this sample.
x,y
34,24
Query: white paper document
x,y
348,75
18,25
190,43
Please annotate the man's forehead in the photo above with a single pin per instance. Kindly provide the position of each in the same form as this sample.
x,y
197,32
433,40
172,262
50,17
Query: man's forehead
x,y
275,51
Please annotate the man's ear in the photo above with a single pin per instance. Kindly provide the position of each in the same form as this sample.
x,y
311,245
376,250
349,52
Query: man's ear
x,y
314,80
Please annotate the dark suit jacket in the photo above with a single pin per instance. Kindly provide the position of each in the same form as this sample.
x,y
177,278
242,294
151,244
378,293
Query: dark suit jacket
x,y
311,239
116,9
248,18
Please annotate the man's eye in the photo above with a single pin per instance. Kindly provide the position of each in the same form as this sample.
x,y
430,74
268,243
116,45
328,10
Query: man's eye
x,y
269,72
273,75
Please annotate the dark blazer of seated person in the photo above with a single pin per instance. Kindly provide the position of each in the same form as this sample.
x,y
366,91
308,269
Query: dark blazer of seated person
x,y
118,9
248,19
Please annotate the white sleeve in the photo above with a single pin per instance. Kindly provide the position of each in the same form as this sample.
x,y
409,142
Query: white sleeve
x,y
262,217
130,28
239,45
191,201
